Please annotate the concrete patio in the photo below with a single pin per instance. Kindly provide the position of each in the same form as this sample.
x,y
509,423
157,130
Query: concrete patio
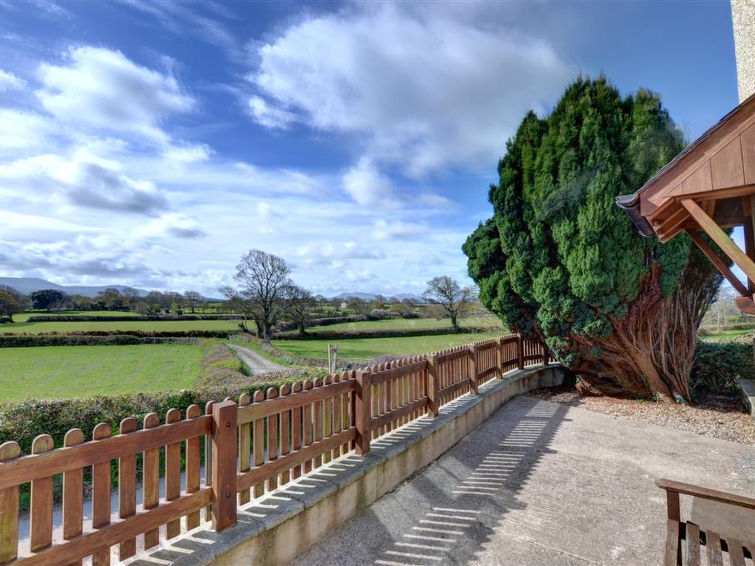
x,y
538,483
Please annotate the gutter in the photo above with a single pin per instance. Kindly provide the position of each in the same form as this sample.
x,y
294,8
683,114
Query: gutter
x,y
631,205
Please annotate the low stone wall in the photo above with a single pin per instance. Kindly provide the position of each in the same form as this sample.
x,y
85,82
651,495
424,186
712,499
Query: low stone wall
x,y
279,527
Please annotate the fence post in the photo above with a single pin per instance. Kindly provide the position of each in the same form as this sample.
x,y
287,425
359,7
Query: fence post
x,y
472,354
520,351
499,357
363,411
224,455
432,385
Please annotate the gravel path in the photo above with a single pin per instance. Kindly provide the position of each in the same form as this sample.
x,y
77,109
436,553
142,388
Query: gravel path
x,y
257,363
714,417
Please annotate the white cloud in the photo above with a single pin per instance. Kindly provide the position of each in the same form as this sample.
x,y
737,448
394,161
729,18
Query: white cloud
x,y
427,90
367,186
269,116
83,180
175,224
9,81
100,89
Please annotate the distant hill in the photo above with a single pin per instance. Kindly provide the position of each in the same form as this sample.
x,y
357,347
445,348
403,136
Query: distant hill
x,y
30,284
371,296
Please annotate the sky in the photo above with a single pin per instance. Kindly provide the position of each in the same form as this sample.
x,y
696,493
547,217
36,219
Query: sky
x,y
151,144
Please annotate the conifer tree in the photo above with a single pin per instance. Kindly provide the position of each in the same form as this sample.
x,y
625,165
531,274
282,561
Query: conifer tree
x,y
559,260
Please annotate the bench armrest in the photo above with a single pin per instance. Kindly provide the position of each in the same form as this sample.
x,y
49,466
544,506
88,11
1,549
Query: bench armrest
x,y
705,493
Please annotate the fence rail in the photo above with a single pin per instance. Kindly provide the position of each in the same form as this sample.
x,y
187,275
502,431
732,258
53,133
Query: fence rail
x,y
251,447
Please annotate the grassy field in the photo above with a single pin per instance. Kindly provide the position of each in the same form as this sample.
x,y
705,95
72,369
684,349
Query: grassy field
x,y
147,325
726,335
80,371
406,323
368,348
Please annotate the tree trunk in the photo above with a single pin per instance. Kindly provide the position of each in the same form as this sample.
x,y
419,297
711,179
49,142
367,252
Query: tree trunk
x,y
650,351
302,330
454,323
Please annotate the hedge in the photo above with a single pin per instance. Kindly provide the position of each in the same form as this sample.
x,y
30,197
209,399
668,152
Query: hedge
x,y
395,333
31,340
717,366
117,318
285,326
139,333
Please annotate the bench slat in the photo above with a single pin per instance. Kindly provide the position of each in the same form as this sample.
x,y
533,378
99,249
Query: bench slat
x,y
693,545
713,546
736,555
672,543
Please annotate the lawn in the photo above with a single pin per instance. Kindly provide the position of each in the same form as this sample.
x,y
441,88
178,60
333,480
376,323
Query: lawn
x,y
368,348
56,372
726,335
81,327
407,323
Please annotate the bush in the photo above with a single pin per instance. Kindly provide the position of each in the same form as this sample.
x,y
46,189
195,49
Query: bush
x,y
717,366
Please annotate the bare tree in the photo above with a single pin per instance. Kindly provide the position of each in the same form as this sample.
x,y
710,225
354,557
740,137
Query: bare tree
x,y
359,306
131,296
263,280
192,299
451,299
299,305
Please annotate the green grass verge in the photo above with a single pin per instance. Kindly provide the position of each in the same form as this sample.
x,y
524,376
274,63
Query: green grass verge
x,y
368,348
64,372
145,325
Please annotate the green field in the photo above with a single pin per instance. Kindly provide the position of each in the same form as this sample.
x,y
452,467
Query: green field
x,y
146,325
407,323
726,335
368,348
56,372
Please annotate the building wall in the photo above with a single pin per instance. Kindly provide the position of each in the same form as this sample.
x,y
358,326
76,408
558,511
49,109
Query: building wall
x,y
743,19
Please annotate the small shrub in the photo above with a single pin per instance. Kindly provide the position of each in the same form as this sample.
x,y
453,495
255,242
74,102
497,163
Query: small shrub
x,y
717,366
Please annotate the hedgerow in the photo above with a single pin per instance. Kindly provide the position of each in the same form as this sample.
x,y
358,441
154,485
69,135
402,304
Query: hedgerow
x,y
32,340
717,366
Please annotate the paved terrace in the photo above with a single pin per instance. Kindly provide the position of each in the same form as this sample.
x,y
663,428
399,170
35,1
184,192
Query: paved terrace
x,y
540,483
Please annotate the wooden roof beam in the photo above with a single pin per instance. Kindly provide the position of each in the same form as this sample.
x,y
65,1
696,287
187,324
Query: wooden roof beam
x,y
720,264
718,194
669,227
716,233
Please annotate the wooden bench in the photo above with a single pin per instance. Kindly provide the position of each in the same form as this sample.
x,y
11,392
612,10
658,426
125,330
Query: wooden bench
x,y
695,535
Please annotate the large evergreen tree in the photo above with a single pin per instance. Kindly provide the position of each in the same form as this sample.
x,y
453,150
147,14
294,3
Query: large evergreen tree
x,y
561,261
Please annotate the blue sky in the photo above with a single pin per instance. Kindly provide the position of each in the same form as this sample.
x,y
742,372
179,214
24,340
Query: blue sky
x,y
152,144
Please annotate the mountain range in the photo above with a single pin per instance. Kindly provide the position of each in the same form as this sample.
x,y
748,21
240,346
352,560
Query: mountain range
x,y
30,284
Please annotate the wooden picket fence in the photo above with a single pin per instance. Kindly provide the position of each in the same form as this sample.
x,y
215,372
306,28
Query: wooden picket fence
x,y
250,448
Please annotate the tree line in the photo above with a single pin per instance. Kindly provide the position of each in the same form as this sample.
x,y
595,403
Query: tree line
x,y
266,294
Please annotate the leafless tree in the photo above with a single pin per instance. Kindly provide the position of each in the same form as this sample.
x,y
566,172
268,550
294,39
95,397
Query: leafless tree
x,y
192,298
131,296
263,280
299,305
451,299
359,306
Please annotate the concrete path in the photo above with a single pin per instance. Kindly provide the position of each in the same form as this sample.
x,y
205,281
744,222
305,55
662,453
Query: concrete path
x,y
539,483
257,363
